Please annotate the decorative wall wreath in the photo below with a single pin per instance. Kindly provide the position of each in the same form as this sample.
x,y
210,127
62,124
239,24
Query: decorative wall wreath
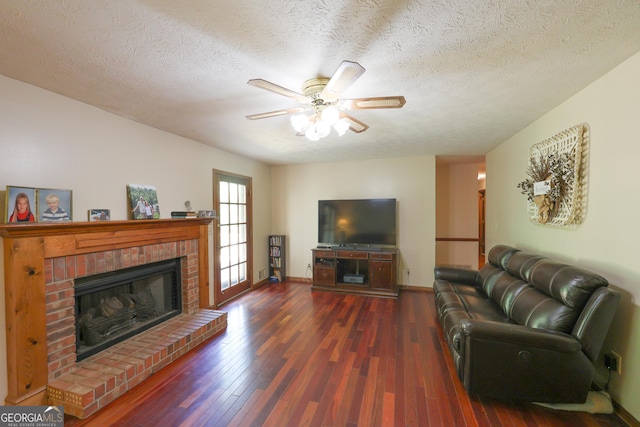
x,y
556,185
555,172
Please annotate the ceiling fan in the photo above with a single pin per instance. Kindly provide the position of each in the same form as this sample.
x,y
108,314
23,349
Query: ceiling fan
x,y
323,107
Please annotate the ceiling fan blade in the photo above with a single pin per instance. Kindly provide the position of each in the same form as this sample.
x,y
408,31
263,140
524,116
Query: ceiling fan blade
x,y
346,74
276,113
272,87
371,103
354,124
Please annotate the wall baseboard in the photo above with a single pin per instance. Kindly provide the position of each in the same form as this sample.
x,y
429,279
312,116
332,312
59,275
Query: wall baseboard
x,y
625,415
415,288
260,284
299,279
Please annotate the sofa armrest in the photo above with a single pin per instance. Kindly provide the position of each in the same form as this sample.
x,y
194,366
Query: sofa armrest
x,y
515,363
594,321
523,336
456,275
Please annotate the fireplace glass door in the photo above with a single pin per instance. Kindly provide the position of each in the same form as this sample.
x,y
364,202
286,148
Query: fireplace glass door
x,y
114,306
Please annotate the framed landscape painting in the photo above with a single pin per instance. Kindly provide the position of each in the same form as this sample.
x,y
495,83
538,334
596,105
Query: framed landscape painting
x,y
20,205
143,202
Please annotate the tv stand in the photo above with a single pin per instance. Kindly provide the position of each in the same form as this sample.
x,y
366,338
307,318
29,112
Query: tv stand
x,y
356,270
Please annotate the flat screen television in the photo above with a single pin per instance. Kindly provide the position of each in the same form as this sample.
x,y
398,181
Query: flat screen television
x,y
357,222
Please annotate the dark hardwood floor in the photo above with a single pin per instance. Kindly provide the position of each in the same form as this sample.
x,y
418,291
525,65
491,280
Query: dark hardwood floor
x,y
293,357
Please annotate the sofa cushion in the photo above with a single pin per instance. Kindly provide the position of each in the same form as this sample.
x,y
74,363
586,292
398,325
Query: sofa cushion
x,y
489,276
499,255
445,286
467,307
504,290
448,301
571,285
521,264
535,309
481,308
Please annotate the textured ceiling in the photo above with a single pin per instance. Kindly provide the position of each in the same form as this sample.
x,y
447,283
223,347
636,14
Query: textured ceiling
x,y
473,72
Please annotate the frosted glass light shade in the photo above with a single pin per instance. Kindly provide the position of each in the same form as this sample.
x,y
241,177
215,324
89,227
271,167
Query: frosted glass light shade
x,y
342,126
299,121
323,128
312,133
330,115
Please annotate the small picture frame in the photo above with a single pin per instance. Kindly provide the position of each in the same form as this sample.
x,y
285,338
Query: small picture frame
x,y
99,215
20,205
54,205
143,202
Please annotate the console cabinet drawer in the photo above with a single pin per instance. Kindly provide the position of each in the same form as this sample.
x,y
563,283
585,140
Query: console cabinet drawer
x,y
352,254
325,254
381,255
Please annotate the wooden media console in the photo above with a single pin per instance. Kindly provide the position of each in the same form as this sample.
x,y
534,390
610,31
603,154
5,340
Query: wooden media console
x,y
358,271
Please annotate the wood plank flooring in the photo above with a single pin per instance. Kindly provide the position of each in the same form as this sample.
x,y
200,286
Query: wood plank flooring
x,y
293,357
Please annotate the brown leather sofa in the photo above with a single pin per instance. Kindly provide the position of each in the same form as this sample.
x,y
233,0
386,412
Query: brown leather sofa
x,y
524,328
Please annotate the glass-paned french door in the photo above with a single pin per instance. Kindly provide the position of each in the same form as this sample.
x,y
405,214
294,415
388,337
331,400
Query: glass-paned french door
x,y
232,198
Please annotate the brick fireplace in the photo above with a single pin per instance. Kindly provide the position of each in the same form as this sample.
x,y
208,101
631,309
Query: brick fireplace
x,y
42,262
114,306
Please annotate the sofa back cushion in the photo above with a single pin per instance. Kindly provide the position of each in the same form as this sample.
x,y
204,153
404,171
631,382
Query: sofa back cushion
x,y
522,263
498,258
503,286
503,290
535,309
536,292
555,293
500,255
571,285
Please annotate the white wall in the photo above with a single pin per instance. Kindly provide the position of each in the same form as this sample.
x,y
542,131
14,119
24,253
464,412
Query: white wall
x,y
457,213
608,241
297,189
49,141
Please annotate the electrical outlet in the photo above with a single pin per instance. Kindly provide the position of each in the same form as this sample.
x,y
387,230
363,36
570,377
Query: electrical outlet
x,y
613,362
309,265
407,276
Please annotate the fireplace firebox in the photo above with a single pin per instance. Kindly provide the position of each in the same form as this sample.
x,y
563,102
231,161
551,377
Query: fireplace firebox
x,y
114,306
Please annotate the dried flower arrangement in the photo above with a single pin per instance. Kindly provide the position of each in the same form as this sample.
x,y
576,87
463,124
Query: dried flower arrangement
x,y
556,183
558,169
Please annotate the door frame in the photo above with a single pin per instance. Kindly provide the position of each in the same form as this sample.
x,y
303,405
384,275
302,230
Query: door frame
x,y
221,297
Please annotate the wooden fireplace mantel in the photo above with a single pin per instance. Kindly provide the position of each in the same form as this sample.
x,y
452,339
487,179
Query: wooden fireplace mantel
x,y
26,246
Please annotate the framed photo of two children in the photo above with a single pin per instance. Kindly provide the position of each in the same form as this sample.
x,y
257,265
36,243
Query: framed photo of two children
x,y
26,204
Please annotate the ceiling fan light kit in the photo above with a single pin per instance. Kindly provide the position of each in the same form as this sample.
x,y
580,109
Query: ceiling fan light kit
x,y
318,125
322,95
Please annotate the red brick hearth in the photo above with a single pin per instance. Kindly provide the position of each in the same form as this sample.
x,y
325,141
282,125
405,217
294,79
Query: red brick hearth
x,y
100,379
41,265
